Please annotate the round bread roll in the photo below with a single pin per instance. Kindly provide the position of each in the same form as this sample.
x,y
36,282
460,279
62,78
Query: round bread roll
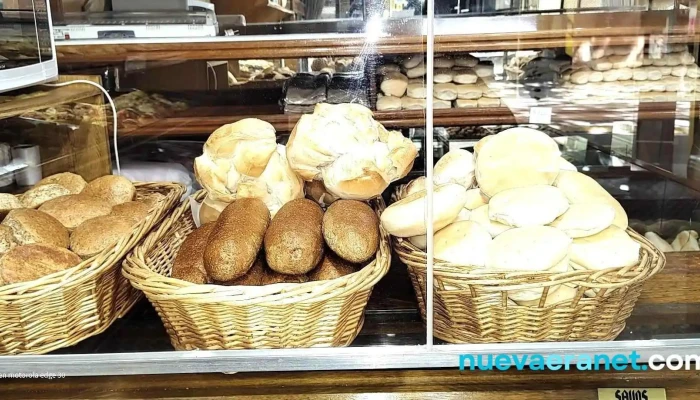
x,y
582,189
351,230
415,185
463,243
254,276
134,211
673,60
480,144
7,239
405,218
460,103
34,226
74,209
394,84
236,239
456,166
444,62
679,71
210,210
9,202
97,234
416,91
517,157
416,71
653,74
601,64
271,277
443,75
585,219
483,70
686,58
686,241
475,199
580,77
639,75
528,206
73,182
466,60
189,261
624,74
360,158
563,294
488,102
480,215
611,76
611,248
465,77
671,83
566,165
316,191
693,72
38,195
331,267
469,92
33,261
533,249
445,91
412,61
386,68
420,241
408,103
388,103
294,240
665,71
660,62
114,189
595,76
439,104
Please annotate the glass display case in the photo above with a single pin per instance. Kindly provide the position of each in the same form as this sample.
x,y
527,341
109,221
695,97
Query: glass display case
x,y
558,140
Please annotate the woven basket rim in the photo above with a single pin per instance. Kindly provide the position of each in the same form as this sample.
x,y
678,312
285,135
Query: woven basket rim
x,y
98,263
159,287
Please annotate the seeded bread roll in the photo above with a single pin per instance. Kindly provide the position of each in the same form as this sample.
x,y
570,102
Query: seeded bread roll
x,y
38,195
73,182
74,209
33,261
112,188
8,202
7,239
97,234
331,267
33,226
351,230
189,262
237,239
134,211
271,277
254,276
294,241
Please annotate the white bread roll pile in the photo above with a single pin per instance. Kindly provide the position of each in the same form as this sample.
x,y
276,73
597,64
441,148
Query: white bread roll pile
x,y
459,83
528,211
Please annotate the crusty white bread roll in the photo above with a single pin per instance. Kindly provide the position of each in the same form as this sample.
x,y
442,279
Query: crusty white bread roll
x,y
465,103
456,166
441,104
611,248
406,217
533,249
416,185
481,143
686,241
465,77
412,61
416,72
360,158
659,242
389,103
566,165
466,60
517,157
386,68
443,75
444,62
416,91
475,199
528,206
394,84
488,102
601,64
585,219
582,189
445,91
409,103
420,241
480,215
463,243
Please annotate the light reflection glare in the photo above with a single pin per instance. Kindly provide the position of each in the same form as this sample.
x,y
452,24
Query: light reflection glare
x,y
375,28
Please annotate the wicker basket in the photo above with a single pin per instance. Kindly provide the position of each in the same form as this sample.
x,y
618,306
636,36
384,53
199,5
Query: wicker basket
x,y
211,317
471,305
61,309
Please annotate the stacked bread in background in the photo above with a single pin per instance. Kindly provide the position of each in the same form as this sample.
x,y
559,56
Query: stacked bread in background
x,y
459,83
63,220
516,205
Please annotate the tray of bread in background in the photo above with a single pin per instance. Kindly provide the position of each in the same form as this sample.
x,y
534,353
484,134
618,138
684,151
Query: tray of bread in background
x,y
61,245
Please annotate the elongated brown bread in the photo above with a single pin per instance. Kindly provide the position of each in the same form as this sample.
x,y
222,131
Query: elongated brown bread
x,y
189,262
271,277
253,277
33,261
74,209
294,242
236,239
331,267
34,226
351,230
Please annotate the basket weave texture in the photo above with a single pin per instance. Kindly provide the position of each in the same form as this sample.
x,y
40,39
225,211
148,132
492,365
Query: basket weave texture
x,y
63,308
284,315
471,304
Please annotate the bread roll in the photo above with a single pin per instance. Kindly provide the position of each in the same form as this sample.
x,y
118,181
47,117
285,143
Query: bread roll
x,y
38,195
389,103
360,158
113,189
210,210
412,61
456,166
443,75
653,74
408,103
646,61
459,103
33,261
611,248
134,211
517,157
8,202
331,267
611,76
466,60
639,75
582,189
351,230
624,74
416,71
480,215
416,185
73,182
475,199
236,239
595,76
405,218
585,219
679,71
665,71
416,91
294,241
33,226
686,58
469,92
72,210
465,77
693,72
660,62
445,91
444,62
7,239
394,84
463,243
189,262
659,242
254,277
386,68
686,241
597,52
533,249
566,165
673,60
439,104
528,206
672,84
488,102
480,144
97,234
580,77
602,64
271,277
483,70
316,191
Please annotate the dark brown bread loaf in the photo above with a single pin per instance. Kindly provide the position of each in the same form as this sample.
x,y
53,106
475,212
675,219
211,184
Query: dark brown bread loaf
x,y
271,277
331,267
33,226
253,277
189,262
134,211
236,239
74,209
351,230
33,261
294,242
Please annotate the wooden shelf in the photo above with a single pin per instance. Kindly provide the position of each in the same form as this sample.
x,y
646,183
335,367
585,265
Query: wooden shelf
x,y
530,31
